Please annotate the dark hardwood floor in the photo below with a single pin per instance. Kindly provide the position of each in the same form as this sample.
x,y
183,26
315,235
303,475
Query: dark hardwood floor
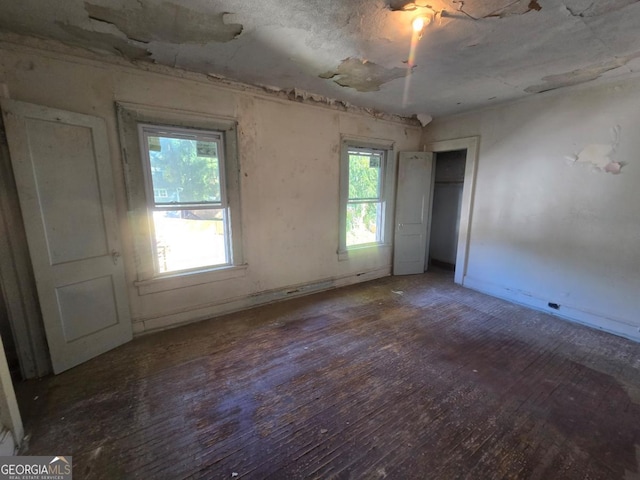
x,y
399,378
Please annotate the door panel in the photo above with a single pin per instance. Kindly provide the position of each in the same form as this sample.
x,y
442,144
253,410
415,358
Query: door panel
x,y
87,307
70,209
413,204
63,175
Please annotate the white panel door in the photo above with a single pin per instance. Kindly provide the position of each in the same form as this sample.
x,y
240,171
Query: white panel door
x,y
413,206
62,168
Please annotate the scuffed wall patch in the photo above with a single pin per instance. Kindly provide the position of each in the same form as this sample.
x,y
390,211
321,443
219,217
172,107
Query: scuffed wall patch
x,y
106,41
166,22
581,75
578,8
600,156
362,75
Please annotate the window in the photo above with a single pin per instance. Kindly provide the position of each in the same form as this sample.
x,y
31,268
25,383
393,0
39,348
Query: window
x,y
365,205
366,192
184,173
183,193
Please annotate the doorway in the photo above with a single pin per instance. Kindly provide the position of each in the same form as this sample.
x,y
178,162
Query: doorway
x,y
445,150
446,208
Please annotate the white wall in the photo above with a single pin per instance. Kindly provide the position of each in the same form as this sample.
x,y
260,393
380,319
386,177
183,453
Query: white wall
x,y
289,159
546,229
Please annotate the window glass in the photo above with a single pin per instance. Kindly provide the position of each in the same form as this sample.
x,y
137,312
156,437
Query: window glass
x,y
363,223
184,170
188,239
364,175
364,206
188,214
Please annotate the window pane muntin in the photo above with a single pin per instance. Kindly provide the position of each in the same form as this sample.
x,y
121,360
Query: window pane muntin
x,y
365,174
184,174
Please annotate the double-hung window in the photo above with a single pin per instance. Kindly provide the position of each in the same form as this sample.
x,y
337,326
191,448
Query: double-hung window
x,y
185,188
183,192
366,193
365,205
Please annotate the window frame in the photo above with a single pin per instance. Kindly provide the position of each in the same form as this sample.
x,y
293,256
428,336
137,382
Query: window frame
x,y
145,131
386,198
131,118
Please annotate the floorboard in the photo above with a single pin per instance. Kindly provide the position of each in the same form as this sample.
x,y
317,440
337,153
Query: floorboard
x,y
399,378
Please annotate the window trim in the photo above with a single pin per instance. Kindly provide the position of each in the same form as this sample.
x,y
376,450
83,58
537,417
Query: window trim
x,y
130,116
386,198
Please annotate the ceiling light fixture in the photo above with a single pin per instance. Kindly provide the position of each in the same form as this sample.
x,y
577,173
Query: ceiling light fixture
x,y
419,23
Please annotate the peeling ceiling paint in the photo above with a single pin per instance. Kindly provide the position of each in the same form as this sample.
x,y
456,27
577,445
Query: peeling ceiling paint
x,y
475,52
168,22
107,41
579,8
496,8
581,75
362,75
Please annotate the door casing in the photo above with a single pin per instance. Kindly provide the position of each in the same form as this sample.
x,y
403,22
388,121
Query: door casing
x,y
471,145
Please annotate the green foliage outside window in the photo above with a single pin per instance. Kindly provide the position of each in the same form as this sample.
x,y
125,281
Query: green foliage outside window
x,y
187,176
365,181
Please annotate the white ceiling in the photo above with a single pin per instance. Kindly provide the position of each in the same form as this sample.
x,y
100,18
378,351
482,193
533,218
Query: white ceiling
x,y
474,53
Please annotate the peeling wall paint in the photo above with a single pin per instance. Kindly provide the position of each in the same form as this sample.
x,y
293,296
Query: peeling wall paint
x,y
543,232
581,75
362,75
166,22
280,188
600,156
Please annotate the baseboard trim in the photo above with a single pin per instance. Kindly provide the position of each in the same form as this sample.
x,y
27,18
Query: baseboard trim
x,y
144,326
596,320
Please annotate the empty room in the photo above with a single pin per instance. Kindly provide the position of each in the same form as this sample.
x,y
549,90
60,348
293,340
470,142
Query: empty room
x,y
320,239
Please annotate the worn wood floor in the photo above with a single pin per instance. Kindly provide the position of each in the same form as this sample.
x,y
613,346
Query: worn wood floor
x,y
398,378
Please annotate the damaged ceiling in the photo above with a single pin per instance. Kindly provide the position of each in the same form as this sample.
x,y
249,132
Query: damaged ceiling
x,y
474,52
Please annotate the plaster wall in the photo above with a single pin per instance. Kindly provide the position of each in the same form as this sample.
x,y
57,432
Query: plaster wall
x,y
548,223
289,160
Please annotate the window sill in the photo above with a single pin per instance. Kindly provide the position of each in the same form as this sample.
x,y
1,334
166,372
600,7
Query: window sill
x,y
362,250
183,280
